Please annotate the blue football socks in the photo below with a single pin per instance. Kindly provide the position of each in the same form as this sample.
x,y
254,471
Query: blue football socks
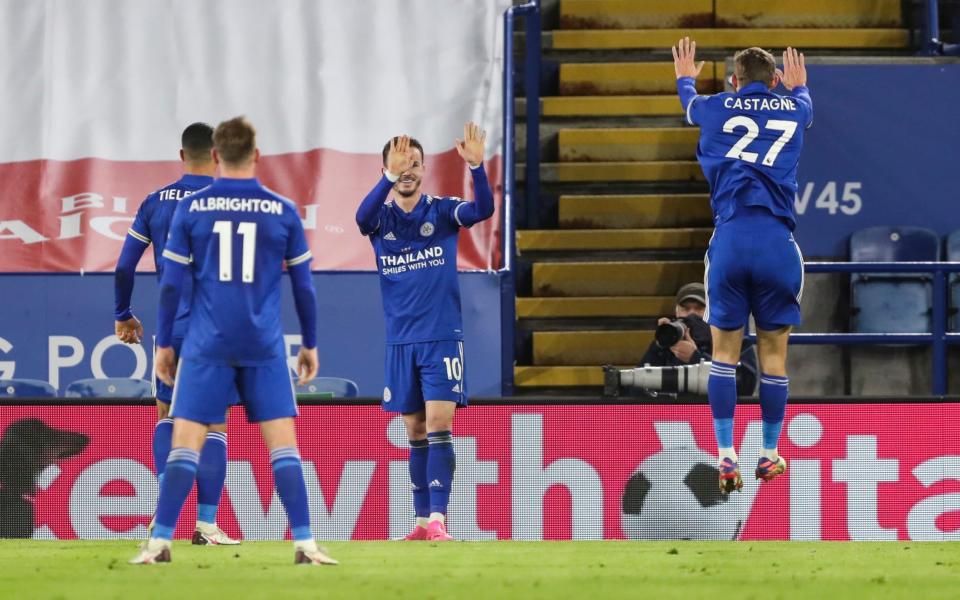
x,y
162,440
419,457
292,489
722,394
180,472
773,404
441,463
211,474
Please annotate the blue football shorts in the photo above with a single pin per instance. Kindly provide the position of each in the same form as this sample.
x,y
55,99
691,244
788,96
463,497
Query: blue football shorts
x,y
163,392
203,392
423,371
753,266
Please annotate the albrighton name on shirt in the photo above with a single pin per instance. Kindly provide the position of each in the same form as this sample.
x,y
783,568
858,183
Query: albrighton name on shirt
x,y
760,103
412,261
270,207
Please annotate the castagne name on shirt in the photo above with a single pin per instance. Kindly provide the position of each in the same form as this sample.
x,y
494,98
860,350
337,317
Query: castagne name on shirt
x,y
760,103
411,261
270,207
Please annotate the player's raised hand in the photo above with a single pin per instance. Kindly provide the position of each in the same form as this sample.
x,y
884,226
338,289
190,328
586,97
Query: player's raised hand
x,y
307,365
683,59
400,157
471,147
129,331
794,69
165,364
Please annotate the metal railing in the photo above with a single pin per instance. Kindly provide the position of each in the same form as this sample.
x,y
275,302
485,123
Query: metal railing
x,y
932,45
532,28
938,337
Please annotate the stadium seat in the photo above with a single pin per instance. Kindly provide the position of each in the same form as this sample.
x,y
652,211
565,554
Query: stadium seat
x,y
892,302
953,255
110,387
26,388
335,387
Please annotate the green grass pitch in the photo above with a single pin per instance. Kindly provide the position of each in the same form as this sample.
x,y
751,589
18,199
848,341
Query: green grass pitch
x,y
741,570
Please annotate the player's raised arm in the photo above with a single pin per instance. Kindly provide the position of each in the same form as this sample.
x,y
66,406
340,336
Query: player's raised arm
x,y
794,69
400,157
794,78
684,63
471,148
687,70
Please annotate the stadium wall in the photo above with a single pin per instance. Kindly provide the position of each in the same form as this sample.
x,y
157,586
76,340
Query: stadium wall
x,y
880,152
858,471
59,328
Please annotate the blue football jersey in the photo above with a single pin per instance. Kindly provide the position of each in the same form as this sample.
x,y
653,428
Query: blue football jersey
x,y
749,148
416,256
236,235
152,225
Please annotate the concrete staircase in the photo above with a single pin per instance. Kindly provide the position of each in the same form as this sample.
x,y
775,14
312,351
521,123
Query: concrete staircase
x,y
624,214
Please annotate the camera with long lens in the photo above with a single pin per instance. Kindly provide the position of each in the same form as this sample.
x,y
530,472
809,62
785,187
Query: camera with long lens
x,y
686,379
668,334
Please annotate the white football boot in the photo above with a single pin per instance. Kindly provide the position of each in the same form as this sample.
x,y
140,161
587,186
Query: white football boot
x,y
152,551
211,534
308,553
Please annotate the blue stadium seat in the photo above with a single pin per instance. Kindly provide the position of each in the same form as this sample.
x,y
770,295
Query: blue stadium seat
x,y
894,244
335,386
892,302
953,255
110,387
26,388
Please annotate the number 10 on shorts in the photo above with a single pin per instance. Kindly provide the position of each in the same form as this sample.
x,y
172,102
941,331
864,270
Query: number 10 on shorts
x,y
454,367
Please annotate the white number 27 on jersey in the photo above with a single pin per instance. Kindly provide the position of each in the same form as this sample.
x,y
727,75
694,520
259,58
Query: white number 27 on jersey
x,y
249,233
739,150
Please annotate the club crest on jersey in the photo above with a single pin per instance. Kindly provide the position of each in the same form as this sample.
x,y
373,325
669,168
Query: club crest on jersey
x,y
426,230
387,396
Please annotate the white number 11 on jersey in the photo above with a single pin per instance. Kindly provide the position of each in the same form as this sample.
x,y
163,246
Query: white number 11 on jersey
x,y
249,232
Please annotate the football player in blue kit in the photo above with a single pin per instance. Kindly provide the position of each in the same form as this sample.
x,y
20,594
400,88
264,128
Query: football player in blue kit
x,y
150,226
234,238
414,238
750,143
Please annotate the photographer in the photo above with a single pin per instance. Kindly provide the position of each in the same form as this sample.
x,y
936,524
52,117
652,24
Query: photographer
x,y
688,341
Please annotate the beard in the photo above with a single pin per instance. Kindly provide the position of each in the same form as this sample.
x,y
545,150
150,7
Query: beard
x,y
408,193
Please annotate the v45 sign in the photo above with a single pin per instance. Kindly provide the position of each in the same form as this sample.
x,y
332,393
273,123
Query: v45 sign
x,y
833,196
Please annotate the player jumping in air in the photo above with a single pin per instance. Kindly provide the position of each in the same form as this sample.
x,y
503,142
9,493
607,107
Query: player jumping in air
x,y
414,239
750,143
151,226
236,235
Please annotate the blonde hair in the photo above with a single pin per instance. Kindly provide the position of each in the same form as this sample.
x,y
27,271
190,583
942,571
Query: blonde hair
x,y
235,141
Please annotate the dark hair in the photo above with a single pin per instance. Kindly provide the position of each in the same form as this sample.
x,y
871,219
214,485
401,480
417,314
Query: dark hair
x,y
196,141
235,140
754,64
413,142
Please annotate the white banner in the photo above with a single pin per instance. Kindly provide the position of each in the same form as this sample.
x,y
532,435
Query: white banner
x,y
325,82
